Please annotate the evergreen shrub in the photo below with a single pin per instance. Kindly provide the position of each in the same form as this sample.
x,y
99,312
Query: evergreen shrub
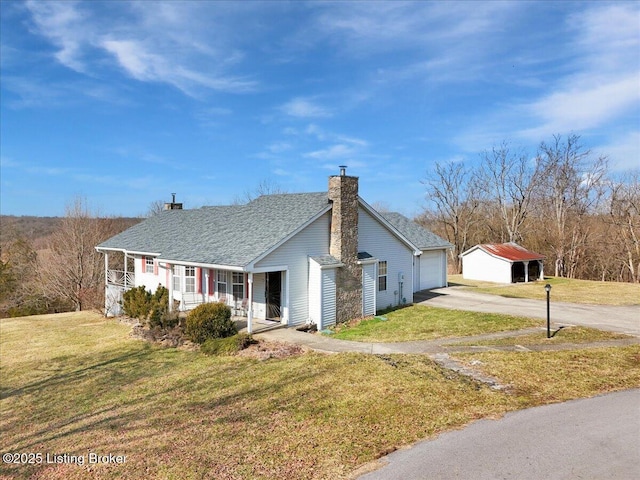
x,y
209,320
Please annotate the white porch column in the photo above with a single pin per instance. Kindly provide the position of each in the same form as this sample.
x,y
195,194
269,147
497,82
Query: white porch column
x,y
526,271
541,264
170,286
250,303
125,270
106,283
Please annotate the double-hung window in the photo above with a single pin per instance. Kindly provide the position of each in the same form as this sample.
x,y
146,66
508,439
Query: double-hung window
x,y
382,275
177,277
238,285
148,264
221,280
190,279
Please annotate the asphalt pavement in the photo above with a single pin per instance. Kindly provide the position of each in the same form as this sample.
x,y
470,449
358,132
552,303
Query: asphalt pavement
x,y
594,438
622,319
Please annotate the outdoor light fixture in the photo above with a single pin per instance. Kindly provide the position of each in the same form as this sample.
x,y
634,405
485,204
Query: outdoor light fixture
x,y
547,288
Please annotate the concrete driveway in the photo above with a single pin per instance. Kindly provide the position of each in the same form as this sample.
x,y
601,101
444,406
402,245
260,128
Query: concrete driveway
x,y
594,438
622,319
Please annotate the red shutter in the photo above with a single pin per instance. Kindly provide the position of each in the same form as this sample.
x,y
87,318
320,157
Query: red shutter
x,y
144,265
155,267
199,279
169,286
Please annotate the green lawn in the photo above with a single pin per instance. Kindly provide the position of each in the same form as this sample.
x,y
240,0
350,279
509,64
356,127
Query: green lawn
x,y
77,383
419,322
562,290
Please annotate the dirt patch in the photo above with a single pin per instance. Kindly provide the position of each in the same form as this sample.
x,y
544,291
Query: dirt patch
x,y
264,350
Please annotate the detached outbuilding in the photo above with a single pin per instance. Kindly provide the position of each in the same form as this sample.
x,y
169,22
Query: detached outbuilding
x,y
502,263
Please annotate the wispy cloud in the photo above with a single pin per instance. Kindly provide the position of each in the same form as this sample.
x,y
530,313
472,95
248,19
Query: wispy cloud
x,y
304,108
151,43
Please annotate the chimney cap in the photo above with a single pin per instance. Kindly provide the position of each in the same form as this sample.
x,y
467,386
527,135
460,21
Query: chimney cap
x,y
343,170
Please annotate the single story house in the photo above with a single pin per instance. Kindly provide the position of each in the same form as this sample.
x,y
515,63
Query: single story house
x,y
502,263
302,258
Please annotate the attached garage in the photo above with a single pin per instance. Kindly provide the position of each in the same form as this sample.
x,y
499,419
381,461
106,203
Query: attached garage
x,y
430,267
502,263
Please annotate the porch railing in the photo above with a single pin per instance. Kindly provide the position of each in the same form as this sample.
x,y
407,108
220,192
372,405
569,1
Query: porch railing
x,y
121,278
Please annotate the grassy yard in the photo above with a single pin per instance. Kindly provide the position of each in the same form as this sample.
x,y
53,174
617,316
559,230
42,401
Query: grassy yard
x,y
420,322
76,383
562,290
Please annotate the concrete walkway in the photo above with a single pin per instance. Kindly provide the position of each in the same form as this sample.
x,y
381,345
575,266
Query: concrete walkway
x,y
328,344
610,318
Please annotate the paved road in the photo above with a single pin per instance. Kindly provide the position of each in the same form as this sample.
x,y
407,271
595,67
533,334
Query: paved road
x,y
595,438
624,319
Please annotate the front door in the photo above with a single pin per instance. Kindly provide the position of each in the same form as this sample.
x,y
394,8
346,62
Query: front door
x,y
274,295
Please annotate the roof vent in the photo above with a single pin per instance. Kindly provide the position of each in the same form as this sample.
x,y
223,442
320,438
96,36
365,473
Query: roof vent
x,y
343,170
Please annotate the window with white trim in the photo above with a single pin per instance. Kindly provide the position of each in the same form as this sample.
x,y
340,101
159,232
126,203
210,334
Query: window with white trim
x,y
148,264
221,281
237,285
190,279
382,275
177,277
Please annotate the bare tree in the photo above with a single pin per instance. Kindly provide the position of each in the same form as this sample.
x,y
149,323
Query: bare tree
x,y
453,190
507,181
624,212
155,207
265,187
72,269
571,187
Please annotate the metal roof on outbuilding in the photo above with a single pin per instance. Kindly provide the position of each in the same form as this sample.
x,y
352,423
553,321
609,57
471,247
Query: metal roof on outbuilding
x,y
509,251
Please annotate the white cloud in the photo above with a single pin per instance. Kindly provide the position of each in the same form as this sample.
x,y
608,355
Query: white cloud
x,y
332,152
585,108
158,43
623,151
304,108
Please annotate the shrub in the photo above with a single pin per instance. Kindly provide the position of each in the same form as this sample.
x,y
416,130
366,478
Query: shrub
x,y
209,320
226,346
152,308
159,315
136,302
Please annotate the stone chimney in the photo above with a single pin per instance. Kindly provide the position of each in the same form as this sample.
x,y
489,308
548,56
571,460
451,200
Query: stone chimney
x,y
343,193
173,205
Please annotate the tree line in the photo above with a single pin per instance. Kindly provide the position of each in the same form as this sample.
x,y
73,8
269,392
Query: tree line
x,y
562,202
61,271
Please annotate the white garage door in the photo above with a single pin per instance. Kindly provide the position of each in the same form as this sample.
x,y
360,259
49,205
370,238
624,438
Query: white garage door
x,y
431,269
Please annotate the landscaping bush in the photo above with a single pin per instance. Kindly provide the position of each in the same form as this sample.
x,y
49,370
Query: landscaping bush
x,y
136,302
209,320
151,308
226,346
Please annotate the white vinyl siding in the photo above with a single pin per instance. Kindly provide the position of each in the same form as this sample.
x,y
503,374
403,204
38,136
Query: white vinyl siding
x,y
322,295
369,289
312,240
479,265
376,240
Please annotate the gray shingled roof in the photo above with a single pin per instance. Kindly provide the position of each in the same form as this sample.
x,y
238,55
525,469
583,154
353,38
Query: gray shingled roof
x,y
235,235
419,236
229,235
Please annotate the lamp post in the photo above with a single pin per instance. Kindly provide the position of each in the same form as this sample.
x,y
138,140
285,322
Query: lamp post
x,y
547,288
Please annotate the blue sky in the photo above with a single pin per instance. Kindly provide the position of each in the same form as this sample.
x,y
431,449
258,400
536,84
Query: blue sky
x,y
123,103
